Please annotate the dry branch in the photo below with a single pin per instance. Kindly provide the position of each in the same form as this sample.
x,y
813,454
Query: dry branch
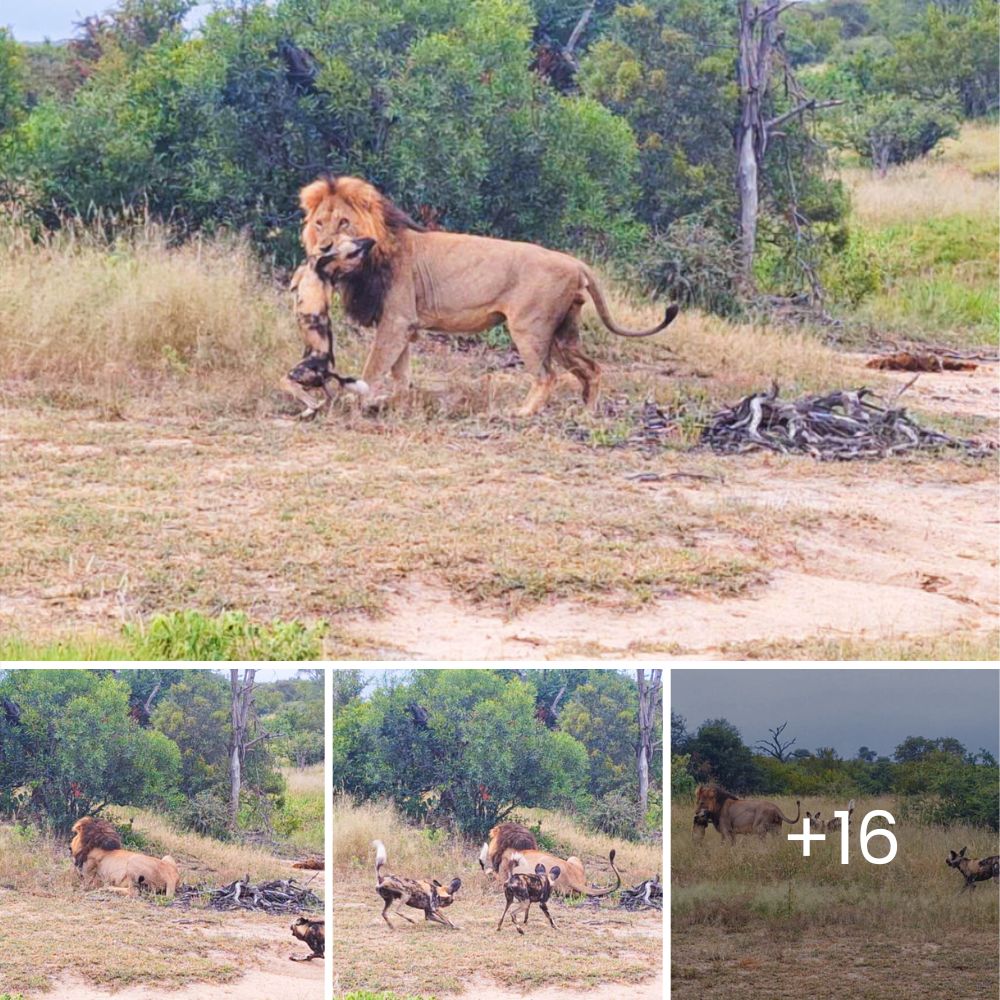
x,y
842,425
276,896
646,895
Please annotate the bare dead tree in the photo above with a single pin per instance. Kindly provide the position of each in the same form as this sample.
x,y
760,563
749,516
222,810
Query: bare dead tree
x,y
760,51
649,703
244,721
775,747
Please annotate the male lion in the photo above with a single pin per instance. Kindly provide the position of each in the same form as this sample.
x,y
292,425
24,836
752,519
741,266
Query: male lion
x,y
731,815
410,279
91,833
116,867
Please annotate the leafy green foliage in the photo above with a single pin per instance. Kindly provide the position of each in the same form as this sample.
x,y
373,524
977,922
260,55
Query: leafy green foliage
x,y
892,130
190,635
76,747
11,80
461,746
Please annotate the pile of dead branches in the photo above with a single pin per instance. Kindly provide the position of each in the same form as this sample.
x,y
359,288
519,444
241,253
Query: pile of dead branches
x,y
277,896
842,426
646,895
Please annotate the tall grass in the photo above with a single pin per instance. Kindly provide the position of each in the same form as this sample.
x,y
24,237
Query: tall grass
x,y
736,885
87,314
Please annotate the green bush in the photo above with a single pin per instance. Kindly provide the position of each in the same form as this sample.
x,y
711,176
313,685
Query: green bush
x,y
617,815
891,130
190,635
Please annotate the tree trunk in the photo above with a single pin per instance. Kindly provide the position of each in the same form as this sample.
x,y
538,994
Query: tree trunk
x,y
241,704
649,698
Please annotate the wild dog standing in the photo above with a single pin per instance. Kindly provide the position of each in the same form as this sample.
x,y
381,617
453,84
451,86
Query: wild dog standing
x,y
834,824
421,895
312,933
974,871
816,824
528,889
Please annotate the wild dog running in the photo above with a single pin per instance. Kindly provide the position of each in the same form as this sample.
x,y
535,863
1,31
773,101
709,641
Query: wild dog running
x,y
528,889
428,896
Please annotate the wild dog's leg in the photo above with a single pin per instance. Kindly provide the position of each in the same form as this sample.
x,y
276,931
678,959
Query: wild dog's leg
x,y
510,899
537,360
545,910
513,918
385,909
399,910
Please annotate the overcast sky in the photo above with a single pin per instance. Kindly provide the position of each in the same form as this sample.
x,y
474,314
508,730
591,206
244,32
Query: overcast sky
x,y
36,20
845,709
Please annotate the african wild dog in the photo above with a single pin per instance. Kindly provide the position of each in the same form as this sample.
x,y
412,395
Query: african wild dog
x,y
816,824
528,889
422,895
312,933
834,824
974,871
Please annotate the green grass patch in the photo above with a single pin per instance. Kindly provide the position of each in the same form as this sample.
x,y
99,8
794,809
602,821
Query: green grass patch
x,y
930,280
368,995
184,635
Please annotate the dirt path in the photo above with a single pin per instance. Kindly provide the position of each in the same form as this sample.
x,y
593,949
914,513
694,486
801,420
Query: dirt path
x,y
885,554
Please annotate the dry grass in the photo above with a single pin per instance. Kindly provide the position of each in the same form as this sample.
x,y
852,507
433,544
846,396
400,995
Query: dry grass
x,y
304,780
962,180
806,914
983,645
51,928
591,944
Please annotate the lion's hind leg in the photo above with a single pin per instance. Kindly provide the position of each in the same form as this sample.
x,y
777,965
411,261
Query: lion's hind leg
x,y
568,350
536,352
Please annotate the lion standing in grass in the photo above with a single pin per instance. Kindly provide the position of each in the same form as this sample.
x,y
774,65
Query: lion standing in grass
x,y
408,279
97,852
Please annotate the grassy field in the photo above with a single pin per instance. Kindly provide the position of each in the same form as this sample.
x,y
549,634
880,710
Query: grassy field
x,y
758,919
923,245
110,942
305,809
153,469
591,945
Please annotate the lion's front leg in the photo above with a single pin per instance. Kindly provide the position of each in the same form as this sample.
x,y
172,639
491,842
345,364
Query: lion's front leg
x,y
390,352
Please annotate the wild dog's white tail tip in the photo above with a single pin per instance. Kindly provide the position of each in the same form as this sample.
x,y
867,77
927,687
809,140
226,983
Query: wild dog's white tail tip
x,y
358,386
850,806
381,857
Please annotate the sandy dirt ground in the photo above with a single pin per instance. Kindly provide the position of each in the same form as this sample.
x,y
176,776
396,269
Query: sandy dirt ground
x,y
868,551
299,981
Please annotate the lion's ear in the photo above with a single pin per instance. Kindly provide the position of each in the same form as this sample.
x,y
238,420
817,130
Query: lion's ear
x,y
312,194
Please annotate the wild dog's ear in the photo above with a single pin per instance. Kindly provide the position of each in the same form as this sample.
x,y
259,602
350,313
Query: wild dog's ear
x,y
455,885
961,853
814,817
435,883
312,194
554,873
539,869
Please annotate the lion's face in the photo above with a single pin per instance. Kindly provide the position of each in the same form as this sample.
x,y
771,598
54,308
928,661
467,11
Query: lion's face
x,y
706,804
339,208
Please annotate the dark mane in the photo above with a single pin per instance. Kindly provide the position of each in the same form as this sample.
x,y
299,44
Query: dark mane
x,y
363,292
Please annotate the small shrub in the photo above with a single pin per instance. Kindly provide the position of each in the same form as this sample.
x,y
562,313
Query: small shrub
x,y
693,263
190,635
617,814
206,814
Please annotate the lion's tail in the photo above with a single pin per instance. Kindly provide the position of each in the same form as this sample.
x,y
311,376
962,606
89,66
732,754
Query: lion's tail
x,y
798,813
602,310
